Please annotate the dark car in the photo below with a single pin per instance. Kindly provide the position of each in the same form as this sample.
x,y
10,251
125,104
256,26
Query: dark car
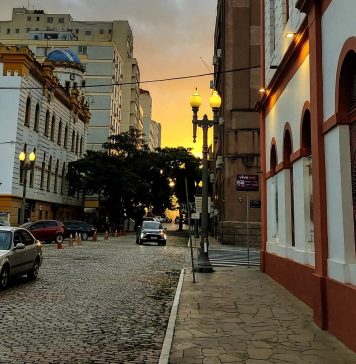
x,y
46,230
80,227
151,231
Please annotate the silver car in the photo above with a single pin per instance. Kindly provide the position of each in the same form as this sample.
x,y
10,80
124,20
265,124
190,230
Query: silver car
x,y
151,231
20,253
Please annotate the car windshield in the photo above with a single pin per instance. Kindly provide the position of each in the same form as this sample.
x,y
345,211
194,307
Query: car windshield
x,y
151,225
26,225
5,240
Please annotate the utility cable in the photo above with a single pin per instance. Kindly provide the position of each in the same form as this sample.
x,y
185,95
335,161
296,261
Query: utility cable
x,y
140,82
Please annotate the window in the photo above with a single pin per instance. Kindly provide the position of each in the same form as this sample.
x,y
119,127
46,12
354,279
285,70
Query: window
x,y
28,18
37,19
26,237
63,178
53,127
56,177
61,20
109,31
37,118
88,32
83,50
49,174
42,173
17,31
47,124
83,83
76,31
67,86
59,139
76,144
65,140
8,31
73,142
27,30
50,19
28,111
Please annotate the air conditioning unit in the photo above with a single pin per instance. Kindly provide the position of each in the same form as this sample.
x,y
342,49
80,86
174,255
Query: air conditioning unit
x,y
219,161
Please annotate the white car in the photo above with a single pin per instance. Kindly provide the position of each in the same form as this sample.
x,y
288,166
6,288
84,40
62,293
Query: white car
x,y
20,253
151,231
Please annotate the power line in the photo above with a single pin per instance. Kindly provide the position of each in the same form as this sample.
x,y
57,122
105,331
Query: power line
x,y
140,82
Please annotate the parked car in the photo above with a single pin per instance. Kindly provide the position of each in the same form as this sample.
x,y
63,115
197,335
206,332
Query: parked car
x,y
20,253
80,227
46,230
151,231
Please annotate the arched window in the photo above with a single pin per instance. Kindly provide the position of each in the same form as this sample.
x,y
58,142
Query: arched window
x,y
287,152
63,178
56,177
273,158
65,141
81,147
76,144
49,174
28,112
73,141
273,164
37,118
59,140
46,130
53,127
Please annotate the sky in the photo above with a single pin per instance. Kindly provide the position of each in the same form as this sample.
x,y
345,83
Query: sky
x,y
172,38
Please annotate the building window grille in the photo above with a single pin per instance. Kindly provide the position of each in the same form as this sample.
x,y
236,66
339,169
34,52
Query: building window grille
x,y
61,20
50,19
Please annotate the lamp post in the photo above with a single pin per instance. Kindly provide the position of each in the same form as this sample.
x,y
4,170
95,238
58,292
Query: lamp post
x,y
26,163
204,265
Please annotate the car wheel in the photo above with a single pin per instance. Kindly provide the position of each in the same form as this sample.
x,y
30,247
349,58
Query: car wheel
x,y
85,236
4,277
140,242
59,238
33,273
164,242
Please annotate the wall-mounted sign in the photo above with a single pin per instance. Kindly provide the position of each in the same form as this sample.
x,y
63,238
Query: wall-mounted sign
x,y
247,182
255,204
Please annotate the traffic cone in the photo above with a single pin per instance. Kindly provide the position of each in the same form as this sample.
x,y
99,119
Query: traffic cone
x,y
70,243
76,238
95,238
79,241
106,236
59,246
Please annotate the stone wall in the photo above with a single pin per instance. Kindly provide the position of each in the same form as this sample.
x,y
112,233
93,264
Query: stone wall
x,y
235,233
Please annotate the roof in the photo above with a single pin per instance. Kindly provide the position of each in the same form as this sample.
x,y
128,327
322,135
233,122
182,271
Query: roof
x,y
63,55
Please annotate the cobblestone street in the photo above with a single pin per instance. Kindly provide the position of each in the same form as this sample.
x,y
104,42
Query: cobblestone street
x,y
102,302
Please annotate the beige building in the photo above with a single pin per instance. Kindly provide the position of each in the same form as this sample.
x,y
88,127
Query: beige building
x,y
104,48
236,139
151,128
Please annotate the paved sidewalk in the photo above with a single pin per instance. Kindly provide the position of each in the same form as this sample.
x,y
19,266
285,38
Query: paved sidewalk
x,y
239,315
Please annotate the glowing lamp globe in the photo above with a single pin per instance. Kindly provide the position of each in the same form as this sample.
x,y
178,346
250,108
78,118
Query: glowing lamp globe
x,y
195,99
215,100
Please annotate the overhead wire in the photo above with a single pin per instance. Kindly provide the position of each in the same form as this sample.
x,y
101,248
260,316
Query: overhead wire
x,y
139,82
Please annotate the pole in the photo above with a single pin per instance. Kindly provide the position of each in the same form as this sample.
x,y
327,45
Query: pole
x,y
190,234
204,265
24,171
248,229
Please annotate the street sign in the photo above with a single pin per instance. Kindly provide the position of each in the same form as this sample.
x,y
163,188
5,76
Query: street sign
x,y
199,204
255,204
247,182
195,216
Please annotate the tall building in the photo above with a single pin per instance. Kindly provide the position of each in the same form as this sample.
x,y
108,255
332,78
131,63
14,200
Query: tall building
x,y
151,128
236,139
308,144
39,114
105,49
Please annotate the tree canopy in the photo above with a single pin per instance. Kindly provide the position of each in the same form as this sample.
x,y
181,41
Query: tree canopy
x,y
128,178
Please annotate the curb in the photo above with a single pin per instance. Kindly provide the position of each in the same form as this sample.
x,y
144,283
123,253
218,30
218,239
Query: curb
x,y
168,339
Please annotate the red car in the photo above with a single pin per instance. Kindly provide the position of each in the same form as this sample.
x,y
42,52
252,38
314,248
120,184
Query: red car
x,y
46,230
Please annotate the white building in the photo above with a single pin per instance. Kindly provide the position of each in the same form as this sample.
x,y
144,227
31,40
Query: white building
x,y
38,111
308,134
106,50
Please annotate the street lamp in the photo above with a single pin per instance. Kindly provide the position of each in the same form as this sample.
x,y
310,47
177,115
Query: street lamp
x,y
26,163
204,265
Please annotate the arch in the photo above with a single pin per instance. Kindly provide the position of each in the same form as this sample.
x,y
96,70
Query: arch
x,y
273,156
287,143
37,117
46,129
345,81
59,139
305,129
28,111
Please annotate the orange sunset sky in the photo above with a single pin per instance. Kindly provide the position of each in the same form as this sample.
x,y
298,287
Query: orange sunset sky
x,y
170,38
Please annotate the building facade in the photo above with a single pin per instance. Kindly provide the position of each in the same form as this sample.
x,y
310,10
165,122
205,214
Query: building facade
x,y
39,113
112,73
236,139
151,128
308,145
